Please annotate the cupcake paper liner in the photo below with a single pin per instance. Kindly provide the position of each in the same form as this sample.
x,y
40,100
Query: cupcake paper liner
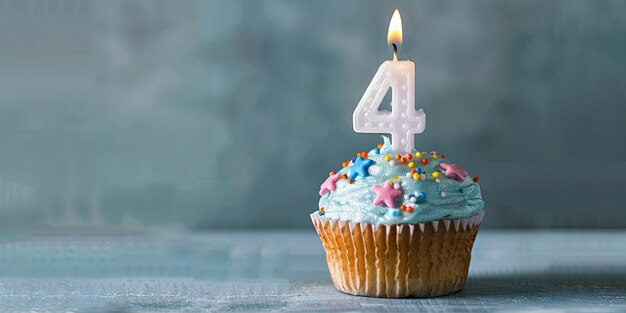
x,y
394,261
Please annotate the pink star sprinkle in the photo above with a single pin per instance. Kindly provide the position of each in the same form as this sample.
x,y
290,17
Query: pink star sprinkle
x,y
386,194
329,184
454,171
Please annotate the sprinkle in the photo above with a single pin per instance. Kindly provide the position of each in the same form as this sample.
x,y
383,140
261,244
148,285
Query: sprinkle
x,y
396,186
411,164
416,176
344,176
360,168
403,207
322,210
409,174
413,171
435,156
394,180
386,194
380,146
418,155
424,161
387,158
377,150
351,181
421,196
406,197
413,199
437,180
443,156
476,179
320,213
394,213
435,174
331,173
409,156
398,157
403,160
345,164
409,209
422,176
454,171
330,184
443,194
419,170
392,162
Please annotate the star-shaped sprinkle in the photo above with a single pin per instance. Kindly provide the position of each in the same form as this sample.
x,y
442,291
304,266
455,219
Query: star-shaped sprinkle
x,y
359,168
329,184
454,171
386,194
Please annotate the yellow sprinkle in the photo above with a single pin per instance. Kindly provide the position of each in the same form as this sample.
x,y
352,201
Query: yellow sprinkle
x,y
387,158
435,156
411,164
436,174
418,155
416,176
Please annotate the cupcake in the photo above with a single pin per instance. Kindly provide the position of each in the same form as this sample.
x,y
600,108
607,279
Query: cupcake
x,y
398,225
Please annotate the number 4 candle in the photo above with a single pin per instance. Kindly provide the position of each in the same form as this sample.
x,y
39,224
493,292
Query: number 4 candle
x,y
403,122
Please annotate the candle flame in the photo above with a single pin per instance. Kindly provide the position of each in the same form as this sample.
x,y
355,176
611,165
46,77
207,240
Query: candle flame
x,y
394,35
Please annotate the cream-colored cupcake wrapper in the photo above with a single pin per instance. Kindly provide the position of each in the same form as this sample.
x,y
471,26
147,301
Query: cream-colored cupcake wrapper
x,y
398,260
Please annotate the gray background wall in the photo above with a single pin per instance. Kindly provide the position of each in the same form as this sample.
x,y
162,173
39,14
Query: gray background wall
x,y
198,114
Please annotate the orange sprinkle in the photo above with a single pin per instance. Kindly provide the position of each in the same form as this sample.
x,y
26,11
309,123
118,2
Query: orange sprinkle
x,y
398,157
344,176
351,181
403,160
424,161
409,209
322,210
403,207
380,146
345,164
476,179
413,171
442,156
331,173
409,156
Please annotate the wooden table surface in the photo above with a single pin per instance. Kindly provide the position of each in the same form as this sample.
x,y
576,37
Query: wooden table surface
x,y
511,271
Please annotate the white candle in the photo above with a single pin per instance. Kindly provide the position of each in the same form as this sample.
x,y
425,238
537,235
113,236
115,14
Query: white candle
x,y
403,122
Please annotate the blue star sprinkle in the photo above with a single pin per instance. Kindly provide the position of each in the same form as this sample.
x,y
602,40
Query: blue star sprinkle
x,y
359,168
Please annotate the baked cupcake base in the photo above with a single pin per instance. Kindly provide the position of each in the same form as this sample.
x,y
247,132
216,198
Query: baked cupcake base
x,y
395,261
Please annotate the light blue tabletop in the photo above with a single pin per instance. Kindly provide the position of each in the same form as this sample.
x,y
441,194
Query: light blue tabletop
x,y
573,271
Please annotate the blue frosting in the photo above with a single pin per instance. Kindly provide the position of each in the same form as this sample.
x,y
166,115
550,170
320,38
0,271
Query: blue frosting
x,y
446,199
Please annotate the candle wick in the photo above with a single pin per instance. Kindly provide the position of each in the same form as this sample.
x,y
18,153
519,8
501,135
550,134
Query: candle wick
x,y
395,52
